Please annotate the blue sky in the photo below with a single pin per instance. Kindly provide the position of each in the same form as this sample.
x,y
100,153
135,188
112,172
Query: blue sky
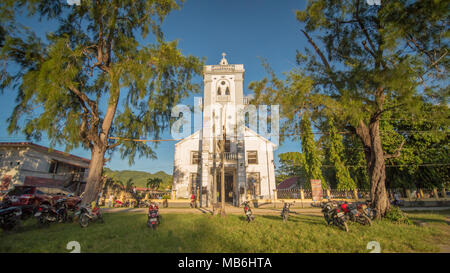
x,y
245,29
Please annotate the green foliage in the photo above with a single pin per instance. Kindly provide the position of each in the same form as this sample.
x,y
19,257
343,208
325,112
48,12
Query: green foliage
x,y
396,215
70,84
313,161
291,164
140,178
336,148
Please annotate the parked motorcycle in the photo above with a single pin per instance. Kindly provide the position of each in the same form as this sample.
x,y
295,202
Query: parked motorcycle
x,y
367,210
10,218
353,214
248,211
89,213
47,214
285,211
154,219
334,215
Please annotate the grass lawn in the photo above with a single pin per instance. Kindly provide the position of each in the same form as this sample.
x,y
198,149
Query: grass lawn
x,y
127,232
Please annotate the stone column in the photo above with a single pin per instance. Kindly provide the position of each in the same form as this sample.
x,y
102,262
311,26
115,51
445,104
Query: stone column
x,y
355,193
174,194
436,195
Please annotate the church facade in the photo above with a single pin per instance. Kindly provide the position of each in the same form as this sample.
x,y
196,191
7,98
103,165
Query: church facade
x,y
248,156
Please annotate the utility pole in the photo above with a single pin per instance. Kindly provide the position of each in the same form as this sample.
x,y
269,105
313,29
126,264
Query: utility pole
x,y
222,190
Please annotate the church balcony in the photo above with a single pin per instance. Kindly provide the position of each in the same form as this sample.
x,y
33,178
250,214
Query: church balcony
x,y
228,156
223,98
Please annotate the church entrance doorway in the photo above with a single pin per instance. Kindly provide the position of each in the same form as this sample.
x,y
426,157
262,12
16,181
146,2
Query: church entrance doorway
x,y
229,187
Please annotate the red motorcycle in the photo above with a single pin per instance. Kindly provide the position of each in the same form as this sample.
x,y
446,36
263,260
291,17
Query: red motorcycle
x,y
248,212
154,219
354,214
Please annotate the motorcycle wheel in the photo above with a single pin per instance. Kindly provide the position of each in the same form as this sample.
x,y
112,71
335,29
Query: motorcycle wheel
x,y
13,225
100,218
62,216
42,220
364,220
342,225
84,220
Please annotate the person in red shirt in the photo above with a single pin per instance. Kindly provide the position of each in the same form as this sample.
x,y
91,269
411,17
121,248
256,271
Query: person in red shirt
x,y
193,204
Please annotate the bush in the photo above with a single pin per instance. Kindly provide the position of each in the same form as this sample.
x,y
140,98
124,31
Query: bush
x,y
165,197
396,215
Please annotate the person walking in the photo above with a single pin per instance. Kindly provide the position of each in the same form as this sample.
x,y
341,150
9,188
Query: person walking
x,y
110,200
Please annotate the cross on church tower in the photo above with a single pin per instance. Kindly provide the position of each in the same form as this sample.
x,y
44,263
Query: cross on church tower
x,y
223,61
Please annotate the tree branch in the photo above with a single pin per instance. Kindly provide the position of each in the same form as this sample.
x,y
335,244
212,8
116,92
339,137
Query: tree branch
x,y
396,153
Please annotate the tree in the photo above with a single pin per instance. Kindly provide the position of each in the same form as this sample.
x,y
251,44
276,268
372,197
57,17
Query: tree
x,y
291,164
335,150
313,161
154,183
86,66
365,56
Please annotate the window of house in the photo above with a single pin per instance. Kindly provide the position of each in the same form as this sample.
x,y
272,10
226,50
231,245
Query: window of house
x,y
252,157
218,91
53,166
195,157
227,91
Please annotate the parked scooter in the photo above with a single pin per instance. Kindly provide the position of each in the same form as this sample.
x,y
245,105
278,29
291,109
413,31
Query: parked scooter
x,y
334,215
47,214
89,213
154,219
10,218
285,211
248,211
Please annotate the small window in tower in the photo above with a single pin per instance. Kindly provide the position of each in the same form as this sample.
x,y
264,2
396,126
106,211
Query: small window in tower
x,y
227,92
218,91
223,82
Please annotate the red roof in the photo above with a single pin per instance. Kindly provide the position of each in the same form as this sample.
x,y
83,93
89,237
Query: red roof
x,y
288,183
31,144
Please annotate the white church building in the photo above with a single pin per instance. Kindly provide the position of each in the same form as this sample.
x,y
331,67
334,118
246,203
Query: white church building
x,y
249,161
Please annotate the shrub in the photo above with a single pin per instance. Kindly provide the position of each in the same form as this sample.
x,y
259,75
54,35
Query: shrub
x,y
396,215
165,197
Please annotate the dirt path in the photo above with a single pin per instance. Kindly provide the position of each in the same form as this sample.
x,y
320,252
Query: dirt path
x,y
229,210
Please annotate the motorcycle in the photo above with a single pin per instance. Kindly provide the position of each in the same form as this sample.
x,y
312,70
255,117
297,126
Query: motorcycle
x,y
334,215
154,219
353,214
10,218
248,211
46,214
285,211
86,214
367,210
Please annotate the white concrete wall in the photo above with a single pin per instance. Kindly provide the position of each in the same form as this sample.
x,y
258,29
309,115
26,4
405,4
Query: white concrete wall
x,y
182,165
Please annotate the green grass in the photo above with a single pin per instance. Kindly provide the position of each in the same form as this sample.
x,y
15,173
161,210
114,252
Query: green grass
x,y
127,232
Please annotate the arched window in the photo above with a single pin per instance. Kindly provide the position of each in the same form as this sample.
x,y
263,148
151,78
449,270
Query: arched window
x,y
227,92
218,91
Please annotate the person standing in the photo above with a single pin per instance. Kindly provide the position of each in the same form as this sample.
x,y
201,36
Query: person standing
x,y
110,200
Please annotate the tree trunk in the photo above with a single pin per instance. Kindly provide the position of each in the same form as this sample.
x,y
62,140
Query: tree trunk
x,y
377,172
95,174
375,165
